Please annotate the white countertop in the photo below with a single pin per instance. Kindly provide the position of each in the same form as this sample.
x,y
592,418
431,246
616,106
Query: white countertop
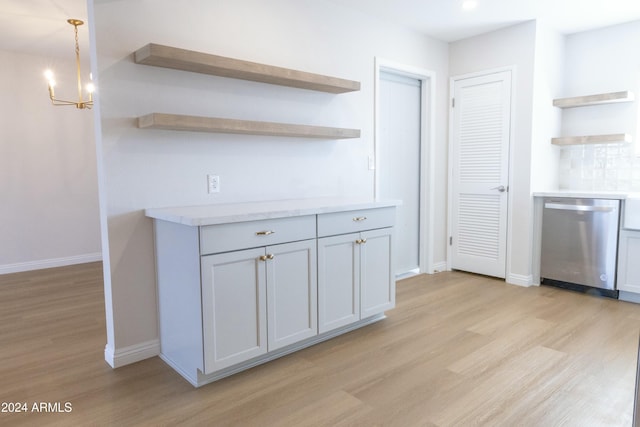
x,y
616,195
251,211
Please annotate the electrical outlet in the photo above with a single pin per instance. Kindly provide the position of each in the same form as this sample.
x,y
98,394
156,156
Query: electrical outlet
x,y
213,183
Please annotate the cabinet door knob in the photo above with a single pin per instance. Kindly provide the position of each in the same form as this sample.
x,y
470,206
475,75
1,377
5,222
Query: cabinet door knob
x,y
359,218
270,256
359,241
363,241
264,233
262,258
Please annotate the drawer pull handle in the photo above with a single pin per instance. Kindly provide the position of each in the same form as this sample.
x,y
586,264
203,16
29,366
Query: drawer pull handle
x,y
359,218
264,233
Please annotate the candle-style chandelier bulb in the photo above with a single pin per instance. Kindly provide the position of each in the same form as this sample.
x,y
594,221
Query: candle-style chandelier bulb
x,y
90,88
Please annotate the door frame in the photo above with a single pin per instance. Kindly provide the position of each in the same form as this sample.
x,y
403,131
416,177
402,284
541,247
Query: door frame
x,y
513,70
427,138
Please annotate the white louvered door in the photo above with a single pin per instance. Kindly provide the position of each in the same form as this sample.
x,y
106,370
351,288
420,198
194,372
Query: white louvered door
x,y
480,168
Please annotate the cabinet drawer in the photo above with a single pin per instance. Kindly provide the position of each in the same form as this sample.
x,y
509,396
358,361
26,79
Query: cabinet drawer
x,y
352,221
252,234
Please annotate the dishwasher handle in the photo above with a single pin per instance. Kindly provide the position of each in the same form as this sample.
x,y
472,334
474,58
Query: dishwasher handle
x,y
578,208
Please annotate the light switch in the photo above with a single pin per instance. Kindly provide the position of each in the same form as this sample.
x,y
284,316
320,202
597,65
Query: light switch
x,y
372,163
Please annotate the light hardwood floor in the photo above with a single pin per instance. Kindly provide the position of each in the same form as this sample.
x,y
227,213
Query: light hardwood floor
x,y
459,350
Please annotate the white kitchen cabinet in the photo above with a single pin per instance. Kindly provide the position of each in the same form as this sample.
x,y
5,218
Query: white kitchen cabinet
x,y
355,279
257,300
628,266
338,281
239,286
234,308
377,284
628,281
291,293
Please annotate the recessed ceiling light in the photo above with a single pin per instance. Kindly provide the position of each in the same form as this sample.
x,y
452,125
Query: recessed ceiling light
x,y
469,4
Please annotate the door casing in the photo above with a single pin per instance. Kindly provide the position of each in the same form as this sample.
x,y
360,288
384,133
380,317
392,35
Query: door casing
x,y
427,138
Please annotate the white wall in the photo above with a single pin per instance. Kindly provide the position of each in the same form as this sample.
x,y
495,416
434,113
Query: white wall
x,y
512,46
547,85
150,168
49,209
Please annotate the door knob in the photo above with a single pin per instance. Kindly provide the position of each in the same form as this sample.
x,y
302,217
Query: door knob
x,y
500,188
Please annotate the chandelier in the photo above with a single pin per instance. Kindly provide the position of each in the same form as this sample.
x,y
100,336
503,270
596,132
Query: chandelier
x,y
90,88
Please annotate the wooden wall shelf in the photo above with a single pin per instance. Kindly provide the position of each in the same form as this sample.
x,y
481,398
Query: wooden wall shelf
x,y
198,62
247,127
592,139
602,98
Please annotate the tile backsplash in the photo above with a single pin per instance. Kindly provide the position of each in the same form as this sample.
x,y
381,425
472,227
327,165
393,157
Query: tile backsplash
x,y
600,167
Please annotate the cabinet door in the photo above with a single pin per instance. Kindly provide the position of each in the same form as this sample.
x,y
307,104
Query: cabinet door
x,y
377,284
628,256
291,293
338,281
233,308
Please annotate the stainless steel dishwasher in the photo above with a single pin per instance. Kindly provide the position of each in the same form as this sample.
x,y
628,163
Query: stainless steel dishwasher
x,y
580,243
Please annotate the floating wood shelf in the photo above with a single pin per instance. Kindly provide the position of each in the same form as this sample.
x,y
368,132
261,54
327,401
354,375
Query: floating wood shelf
x,y
592,139
198,62
247,127
602,98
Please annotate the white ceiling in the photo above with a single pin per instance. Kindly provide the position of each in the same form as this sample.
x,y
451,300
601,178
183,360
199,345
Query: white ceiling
x,y
39,26
445,19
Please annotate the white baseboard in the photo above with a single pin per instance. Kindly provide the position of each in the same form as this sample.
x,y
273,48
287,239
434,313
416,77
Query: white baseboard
x,y
49,263
408,274
439,267
629,297
131,354
520,280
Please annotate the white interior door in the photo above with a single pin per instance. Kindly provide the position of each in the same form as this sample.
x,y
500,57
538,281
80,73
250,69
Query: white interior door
x,y
399,153
481,126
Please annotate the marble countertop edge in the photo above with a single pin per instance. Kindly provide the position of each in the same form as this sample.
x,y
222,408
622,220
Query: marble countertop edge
x,y
223,213
616,195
